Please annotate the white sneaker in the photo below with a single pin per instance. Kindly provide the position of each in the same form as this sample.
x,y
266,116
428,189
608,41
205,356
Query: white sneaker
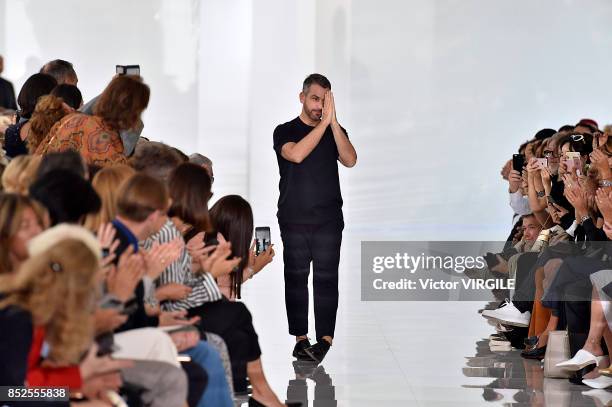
x,y
601,382
508,314
498,341
500,347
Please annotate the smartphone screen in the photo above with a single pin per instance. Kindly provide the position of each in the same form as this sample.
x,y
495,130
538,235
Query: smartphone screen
x,y
542,163
518,162
132,70
127,69
263,239
572,159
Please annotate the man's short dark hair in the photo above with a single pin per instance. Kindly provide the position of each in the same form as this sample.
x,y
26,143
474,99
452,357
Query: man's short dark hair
x,y
318,79
61,70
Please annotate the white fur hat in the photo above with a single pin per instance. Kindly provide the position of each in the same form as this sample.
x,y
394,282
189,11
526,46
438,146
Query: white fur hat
x,y
60,232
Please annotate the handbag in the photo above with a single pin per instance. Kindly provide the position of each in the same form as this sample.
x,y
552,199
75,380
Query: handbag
x,y
557,351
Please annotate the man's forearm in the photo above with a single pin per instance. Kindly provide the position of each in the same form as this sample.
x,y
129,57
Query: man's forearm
x,y
297,152
346,151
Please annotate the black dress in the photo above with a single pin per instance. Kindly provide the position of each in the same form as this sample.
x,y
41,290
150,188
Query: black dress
x,y
13,144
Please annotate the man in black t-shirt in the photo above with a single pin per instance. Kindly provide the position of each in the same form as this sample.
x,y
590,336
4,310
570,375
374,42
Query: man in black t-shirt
x,y
308,149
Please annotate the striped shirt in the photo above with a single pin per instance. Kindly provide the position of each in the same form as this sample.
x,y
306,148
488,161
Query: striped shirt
x,y
204,287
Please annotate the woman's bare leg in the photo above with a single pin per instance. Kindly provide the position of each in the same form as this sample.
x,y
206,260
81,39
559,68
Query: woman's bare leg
x,y
596,328
261,389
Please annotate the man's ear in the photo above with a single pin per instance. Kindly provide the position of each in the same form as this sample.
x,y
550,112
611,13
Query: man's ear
x,y
302,97
152,216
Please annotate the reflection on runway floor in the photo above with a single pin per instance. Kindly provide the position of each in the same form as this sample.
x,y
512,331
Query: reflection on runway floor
x,y
517,382
390,354
297,389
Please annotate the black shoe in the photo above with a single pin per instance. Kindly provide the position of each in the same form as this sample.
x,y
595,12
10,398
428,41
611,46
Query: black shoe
x,y
517,337
298,350
318,351
576,378
536,353
498,336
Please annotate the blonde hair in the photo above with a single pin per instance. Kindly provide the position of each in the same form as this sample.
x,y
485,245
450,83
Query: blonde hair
x,y
12,207
12,172
57,287
107,183
28,175
48,111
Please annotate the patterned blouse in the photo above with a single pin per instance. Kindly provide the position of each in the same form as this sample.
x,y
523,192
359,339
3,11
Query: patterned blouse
x,y
89,135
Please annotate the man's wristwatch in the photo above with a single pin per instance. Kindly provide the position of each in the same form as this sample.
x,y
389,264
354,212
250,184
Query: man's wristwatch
x,y
585,217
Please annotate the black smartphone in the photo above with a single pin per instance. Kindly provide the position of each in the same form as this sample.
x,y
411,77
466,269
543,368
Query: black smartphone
x,y
210,239
518,162
263,239
127,69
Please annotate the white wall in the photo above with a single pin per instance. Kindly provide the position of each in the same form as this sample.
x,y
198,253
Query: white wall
x,y
160,35
472,79
435,94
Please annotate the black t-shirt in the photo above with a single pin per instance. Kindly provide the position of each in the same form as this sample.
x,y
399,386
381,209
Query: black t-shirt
x,y
309,191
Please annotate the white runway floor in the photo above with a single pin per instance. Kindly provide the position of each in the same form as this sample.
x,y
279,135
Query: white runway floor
x,y
397,353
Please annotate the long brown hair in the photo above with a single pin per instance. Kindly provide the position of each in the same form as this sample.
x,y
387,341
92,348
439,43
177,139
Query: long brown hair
x,y
12,207
232,216
189,186
49,110
122,102
58,288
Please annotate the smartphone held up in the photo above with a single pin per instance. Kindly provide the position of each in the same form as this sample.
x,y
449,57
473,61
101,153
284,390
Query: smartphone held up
x,y
127,70
263,239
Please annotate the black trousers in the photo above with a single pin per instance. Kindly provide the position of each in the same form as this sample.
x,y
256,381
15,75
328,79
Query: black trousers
x,y
198,380
232,321
319,245
525,281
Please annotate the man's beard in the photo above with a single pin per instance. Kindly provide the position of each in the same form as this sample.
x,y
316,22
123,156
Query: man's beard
x,y
315,114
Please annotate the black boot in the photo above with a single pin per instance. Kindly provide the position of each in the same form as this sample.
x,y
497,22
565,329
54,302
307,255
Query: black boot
x,y
298,350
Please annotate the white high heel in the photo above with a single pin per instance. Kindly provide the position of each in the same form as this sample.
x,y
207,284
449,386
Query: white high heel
x,y
604,397
582,359
601,382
